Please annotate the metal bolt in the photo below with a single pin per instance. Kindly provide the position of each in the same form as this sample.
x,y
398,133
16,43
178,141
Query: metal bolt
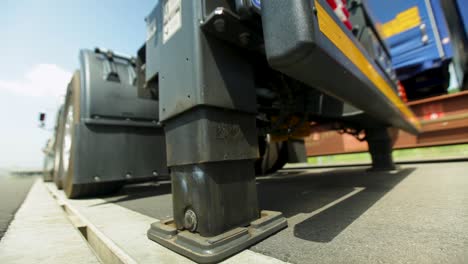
x,y
97,178
128,176
244,38
220,25
190,220
155,173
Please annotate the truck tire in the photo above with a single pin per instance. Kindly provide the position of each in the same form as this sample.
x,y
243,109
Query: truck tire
x,y
48,168
71,119
58,166
273,156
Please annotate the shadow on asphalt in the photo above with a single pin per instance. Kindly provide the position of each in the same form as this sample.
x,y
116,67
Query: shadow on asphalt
x,y
331,199
309,192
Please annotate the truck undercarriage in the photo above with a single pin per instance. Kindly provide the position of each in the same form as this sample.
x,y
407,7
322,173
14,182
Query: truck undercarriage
x,y
228,73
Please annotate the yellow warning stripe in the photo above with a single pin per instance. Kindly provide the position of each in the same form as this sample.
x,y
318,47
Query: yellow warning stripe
x,y
339,38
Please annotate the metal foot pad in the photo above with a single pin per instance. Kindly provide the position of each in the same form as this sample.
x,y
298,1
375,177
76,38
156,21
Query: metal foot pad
x,y
214,249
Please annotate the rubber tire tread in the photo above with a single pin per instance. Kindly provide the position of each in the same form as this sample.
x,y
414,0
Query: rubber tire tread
x,y
71,189
58,165
273,156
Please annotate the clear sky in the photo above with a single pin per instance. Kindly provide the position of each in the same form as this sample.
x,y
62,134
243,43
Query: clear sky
x,y
39,44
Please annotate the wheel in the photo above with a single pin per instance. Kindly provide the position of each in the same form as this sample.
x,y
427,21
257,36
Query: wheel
x,y
58,166
48,168
273,156
68,148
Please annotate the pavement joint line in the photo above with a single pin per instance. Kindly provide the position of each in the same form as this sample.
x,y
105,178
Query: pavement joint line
x,y
87,226
104,248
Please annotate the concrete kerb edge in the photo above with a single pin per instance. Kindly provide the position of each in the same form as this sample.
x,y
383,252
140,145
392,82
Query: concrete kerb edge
x,y
105,249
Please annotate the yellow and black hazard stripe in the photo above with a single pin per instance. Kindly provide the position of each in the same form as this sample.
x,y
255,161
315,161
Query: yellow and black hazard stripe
x,y
338,37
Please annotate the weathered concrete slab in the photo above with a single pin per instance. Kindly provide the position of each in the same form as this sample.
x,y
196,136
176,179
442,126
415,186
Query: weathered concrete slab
x,y
125,230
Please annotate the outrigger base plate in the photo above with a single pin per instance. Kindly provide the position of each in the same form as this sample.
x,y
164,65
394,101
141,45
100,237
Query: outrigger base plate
x,y
214,249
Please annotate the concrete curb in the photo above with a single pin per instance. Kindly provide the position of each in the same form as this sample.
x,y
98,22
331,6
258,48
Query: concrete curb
x,y
41,233
106,250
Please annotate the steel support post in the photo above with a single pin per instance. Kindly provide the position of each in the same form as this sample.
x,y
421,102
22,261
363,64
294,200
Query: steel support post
x,y
208,107
380,143
211,155
213,178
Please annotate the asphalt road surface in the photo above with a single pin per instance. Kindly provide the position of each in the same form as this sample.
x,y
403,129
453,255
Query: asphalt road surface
x,y
348,215
13,191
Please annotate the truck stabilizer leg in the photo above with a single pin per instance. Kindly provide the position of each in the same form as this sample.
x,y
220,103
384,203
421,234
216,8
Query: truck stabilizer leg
x,y
207,96
215,199
380,145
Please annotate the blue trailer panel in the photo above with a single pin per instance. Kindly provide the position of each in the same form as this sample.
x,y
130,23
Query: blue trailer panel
x,y
463,13
418,37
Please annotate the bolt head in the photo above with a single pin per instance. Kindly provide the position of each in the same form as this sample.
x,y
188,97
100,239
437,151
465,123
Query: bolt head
x,y
220,25
190,220
244,38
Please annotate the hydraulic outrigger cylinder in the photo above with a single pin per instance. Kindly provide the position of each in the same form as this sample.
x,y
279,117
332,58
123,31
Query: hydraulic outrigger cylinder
x,y
198,56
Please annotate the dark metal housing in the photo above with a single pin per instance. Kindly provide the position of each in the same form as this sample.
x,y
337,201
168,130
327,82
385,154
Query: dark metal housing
x,y
115,135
